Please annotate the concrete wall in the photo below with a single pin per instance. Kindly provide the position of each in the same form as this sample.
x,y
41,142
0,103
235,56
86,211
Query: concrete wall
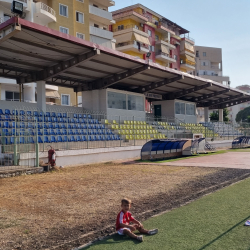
x,y
85,156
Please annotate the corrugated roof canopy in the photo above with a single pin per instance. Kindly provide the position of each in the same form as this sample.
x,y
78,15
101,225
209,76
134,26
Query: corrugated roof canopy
x,y
32,53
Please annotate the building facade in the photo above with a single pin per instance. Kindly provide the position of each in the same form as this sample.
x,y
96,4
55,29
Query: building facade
x,y
145,34
209,65
85,19
233,111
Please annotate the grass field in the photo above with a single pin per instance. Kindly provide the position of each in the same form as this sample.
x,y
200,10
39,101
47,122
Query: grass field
x,y
214,222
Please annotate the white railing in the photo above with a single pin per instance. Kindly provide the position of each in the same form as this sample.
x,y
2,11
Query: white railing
x,y
47,8
99,12
101,33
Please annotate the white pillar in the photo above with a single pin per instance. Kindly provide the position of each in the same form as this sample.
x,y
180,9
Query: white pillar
x,y
206,117
41,96
29,94
220,115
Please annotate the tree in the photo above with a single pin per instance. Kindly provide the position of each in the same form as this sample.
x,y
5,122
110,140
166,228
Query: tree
x,y
214,117
243,115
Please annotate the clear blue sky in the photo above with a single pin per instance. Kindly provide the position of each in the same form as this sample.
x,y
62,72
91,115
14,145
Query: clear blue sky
x,y
214,23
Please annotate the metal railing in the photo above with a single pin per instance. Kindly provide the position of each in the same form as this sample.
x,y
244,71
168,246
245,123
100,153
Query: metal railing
x,y
128,27
164,54
188,37
119,45
45,7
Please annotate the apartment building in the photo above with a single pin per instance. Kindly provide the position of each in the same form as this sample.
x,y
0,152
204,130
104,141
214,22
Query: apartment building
x,y
85,19
143,33
209,65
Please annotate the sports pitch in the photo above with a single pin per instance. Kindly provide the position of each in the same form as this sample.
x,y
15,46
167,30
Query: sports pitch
x,y
215,221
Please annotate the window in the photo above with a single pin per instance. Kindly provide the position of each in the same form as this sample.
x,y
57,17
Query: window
x,y
150,32
135,103
79,17
156,38
63,10
190,109
64,30
80,35
205,72
120,27
204,53
104,28
180,108
136,27
204,64
116,100
12,96
96,25
197,53
65,100
151,48
175,57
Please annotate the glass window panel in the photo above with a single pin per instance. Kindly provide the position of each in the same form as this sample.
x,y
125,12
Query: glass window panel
x,y
65,100
135,103
190,109
8,95
177,108
16,96
116,100
182,108
63,10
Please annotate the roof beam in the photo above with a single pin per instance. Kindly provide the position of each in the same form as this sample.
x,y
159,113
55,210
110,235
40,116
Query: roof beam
x,y
63,66
111,80
221,100
208,96
229,104
16,61
155,85
176,95
41,46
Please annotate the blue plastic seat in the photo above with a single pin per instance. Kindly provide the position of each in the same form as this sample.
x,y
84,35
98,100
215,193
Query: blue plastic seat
x,y
5,132
53,114
74,126
112,137
72,138
40,139
65,138
75,116
14,113
30,125
70,126
21,140
80,116
89,117
56,126
84,116
58,132
99,138
5,141
53,139
78,138
7,112
64,126
46,132
22,112
84,138
47,114
5,124
72,120
28,113
7,118
54,119
83,126
48,119
1,112
59,139
90,138
95,138
64,115
64,132
12,140
31,132
31,140
35,113
71,132
60,120
84,121
59,115
46,139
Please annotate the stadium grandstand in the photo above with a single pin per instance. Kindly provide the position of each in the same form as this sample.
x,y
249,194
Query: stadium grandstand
x,y
114,88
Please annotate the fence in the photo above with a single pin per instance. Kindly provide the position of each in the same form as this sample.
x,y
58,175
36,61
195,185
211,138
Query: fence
x,y
32,131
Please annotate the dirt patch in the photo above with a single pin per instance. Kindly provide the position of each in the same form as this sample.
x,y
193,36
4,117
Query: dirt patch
x,y
57,209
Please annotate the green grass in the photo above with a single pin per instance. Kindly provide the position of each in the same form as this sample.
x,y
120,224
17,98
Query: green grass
x,y
214,222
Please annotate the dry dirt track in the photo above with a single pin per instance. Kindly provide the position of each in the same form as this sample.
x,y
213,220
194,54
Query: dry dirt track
x,y
41,211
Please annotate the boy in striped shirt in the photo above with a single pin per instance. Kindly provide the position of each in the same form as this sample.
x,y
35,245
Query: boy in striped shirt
x,y
126,224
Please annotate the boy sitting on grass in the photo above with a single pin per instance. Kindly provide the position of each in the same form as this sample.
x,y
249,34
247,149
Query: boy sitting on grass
x,y
126,224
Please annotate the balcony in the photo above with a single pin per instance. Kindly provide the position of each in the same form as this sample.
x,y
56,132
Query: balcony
x,y
132,15
160,42
164,57
106,3
188,38
187,65
163,28
7,4
44,14
101,16
132,46
100,33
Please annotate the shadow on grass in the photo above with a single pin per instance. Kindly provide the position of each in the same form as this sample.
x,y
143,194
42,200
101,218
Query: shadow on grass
x,y
220,236
116,239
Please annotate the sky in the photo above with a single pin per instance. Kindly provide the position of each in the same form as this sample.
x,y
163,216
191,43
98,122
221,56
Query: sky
x,y
213,23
